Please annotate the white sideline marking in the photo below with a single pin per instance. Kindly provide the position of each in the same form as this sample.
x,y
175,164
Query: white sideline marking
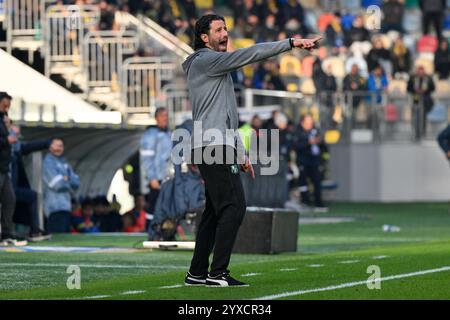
x,y
314,265
348,261
250,274
97,297
352,284
132,292
288,269
103,266
379,257
171,287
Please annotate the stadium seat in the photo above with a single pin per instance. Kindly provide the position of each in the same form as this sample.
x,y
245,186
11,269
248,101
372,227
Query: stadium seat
x,y
426,63
367,3
307,66
290,65
347,21
411,3
311,21
443,86
352,5
243,43
390,113
412,21
337,66
292,87
229,21
309,4
204,4
324,20
438,113
332,136
447,22
397,87
427,44
307,87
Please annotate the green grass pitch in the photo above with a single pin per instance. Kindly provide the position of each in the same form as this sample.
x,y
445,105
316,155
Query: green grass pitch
x,y
331,263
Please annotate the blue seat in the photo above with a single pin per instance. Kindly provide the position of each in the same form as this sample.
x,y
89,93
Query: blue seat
x,y
438,113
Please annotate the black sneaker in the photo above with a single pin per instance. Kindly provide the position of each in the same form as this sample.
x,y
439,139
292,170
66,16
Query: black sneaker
x,y
224,280
191,280
39,236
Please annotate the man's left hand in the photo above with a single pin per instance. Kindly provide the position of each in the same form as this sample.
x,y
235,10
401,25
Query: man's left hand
x,y
247,166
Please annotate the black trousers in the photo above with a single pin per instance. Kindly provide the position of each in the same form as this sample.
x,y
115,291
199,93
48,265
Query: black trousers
x,y
436,20
8,204
313,173
59,222
223,214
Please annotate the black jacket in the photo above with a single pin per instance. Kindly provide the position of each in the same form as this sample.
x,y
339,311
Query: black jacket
x,y
5,147
303,149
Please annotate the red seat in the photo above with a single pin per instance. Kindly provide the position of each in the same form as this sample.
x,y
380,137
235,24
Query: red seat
x,y
390,113
427,44
324,20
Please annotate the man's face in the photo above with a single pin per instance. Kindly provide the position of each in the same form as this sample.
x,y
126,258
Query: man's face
x,y
421,71
308,123
217,39
140,202
5,104
57,147
162,119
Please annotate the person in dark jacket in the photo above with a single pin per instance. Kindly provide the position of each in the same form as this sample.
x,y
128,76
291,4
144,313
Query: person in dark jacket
x,y
421,86
432,13
326,86
442,60
7,195
444,141
401,57
308,145
377,55
393,11
353,84
26,199
358,33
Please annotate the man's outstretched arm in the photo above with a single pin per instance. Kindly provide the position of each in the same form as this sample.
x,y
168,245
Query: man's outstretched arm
x,y
220,63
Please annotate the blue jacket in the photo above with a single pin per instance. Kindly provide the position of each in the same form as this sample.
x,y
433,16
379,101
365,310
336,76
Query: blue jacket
x,y
56,189
377,88
155,150
444,139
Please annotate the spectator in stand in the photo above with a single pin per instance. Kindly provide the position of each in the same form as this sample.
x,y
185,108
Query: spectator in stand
x,y
308,143
334,32
26,211
377,83
267,77
432,13
155,150
107,16
378,55
326,86
82,218
59,182
442,60
400,57
393,11
292,17
421,86
135,220
286,136
106,218
353,85
270,30
251,29
358,33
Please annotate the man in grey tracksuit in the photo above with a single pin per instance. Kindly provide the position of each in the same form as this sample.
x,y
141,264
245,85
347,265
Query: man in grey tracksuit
x,y
214,109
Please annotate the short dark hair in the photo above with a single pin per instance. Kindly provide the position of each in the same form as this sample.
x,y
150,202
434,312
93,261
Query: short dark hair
x,y
159,110
4,95
202,26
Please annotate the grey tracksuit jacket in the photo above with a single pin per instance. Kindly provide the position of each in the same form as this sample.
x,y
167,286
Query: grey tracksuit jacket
x,y
211,89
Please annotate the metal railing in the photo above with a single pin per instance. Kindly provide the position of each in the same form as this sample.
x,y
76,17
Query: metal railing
x,y
64,29
142,81
24,19
103,56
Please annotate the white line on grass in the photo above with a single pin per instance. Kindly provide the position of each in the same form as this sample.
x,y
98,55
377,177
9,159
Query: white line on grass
x,y
171,287
379,257
348,261
251,274
103,266
352,284
97,297
288,269
132,292
314,265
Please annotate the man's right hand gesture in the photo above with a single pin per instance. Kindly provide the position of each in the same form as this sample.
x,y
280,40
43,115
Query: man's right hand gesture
x,y
307,44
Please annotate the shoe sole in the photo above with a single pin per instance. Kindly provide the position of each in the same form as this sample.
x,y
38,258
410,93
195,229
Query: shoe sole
x,y
218,286
194,285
